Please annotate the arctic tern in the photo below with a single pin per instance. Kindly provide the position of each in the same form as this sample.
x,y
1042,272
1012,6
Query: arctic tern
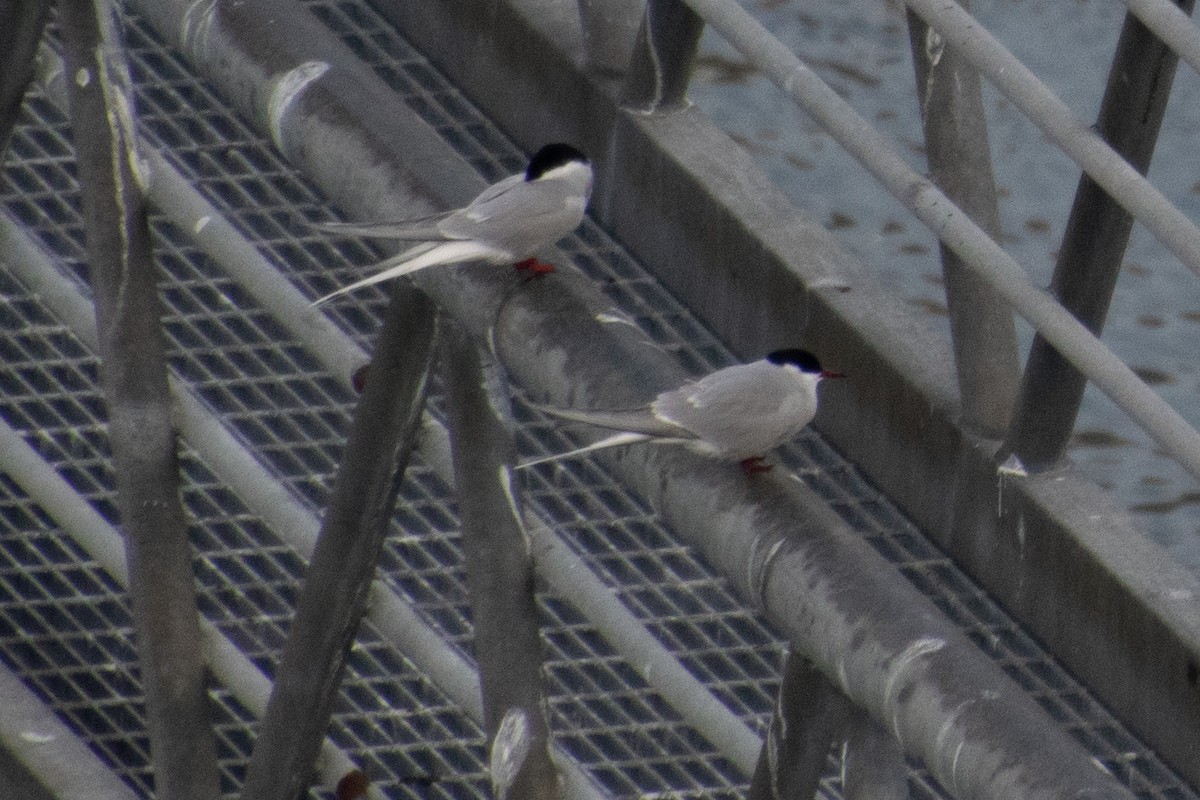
x,y
737,413
508,222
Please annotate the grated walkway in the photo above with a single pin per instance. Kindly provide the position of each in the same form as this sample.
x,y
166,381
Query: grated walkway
x,y
64,625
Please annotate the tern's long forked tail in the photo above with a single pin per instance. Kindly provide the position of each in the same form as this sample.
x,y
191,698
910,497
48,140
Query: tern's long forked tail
x,y
414,259
616,440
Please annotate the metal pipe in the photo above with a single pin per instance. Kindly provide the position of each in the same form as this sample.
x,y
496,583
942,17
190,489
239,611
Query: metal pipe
x,y
1090,258
40,757
960,163
978,251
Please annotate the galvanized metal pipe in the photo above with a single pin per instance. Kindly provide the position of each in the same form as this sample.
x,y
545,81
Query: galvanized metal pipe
x,y
978,251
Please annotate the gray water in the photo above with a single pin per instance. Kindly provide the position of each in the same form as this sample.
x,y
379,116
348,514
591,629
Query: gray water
x,y
861,49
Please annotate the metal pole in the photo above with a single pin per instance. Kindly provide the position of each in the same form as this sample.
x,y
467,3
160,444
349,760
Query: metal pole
x,y
1097,232
334,593
663,56
500,578
810,714
1172,25
873,765
960,163
141,427
1077,139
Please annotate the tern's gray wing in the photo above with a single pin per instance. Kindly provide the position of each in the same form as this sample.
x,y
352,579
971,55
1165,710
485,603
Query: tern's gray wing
x,y
743,411
518,216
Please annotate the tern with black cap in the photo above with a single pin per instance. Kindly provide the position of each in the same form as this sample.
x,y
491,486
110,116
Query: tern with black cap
x,y
508,222
737,413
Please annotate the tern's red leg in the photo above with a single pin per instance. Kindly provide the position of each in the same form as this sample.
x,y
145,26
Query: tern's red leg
x,y
534,266
755,465
353,785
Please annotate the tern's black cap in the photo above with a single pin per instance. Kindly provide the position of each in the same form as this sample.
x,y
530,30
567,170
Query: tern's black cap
x,y
551,156
802,359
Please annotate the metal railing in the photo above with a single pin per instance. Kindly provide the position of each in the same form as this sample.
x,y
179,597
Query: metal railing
x,y
663,59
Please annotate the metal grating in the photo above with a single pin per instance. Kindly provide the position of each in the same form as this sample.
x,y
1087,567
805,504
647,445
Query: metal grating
x,y
63,625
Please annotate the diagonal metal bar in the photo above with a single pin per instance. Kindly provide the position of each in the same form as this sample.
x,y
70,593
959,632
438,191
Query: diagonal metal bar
x,y
873,766
141,429
1089,261
338,581
500,578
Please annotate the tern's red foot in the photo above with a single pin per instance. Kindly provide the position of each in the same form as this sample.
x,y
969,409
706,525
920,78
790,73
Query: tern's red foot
x,y
358,379
534,266
353,785
755,465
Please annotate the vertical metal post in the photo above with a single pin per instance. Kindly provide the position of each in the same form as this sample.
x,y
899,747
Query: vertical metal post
x,y
809,714
663,56
873,765
956,143
141,425
500,578
1089,262
610,28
